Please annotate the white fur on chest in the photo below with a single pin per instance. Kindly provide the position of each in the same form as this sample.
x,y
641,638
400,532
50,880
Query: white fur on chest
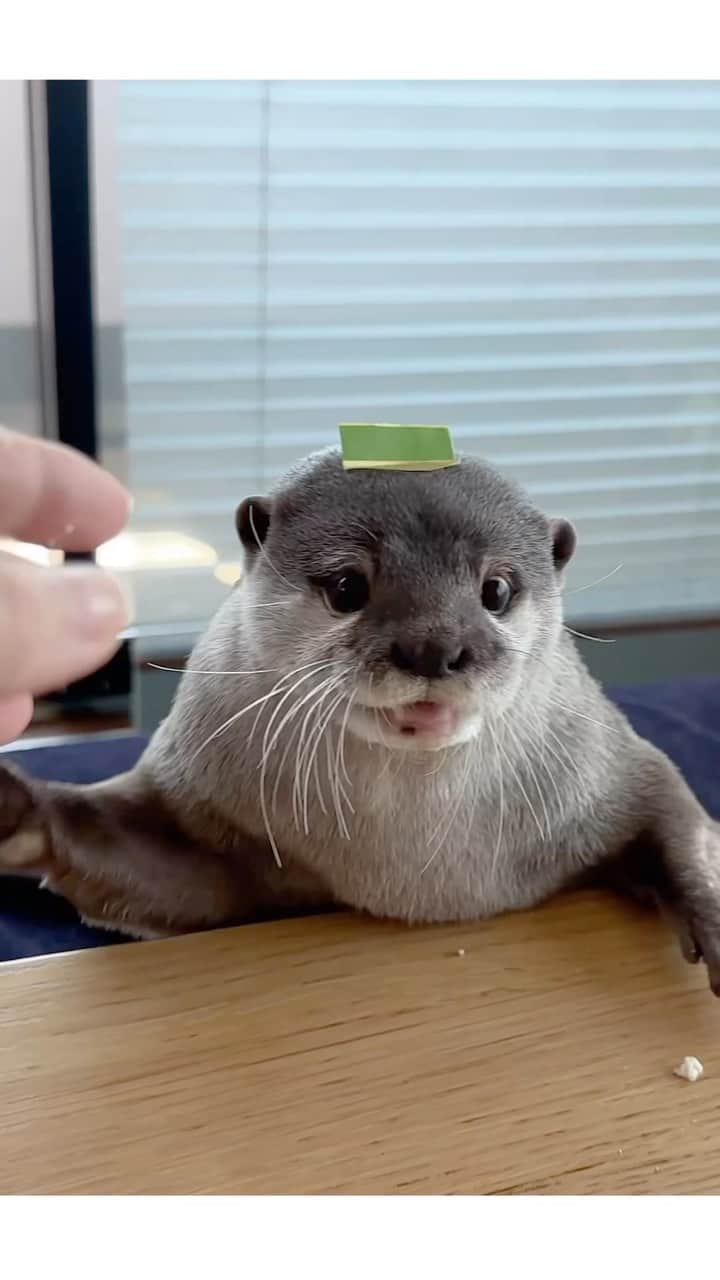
x,y
421,840
461,833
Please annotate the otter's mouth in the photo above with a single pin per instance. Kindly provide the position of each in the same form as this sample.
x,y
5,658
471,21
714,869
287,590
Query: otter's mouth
x,y
423,720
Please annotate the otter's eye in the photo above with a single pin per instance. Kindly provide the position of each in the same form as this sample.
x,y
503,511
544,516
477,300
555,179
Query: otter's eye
x,y
497,594
347,592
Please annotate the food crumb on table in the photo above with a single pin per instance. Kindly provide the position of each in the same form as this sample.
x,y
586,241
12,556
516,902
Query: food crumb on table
x,y
689,1069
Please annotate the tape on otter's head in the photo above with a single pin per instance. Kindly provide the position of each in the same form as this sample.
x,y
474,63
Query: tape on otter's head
x,y
395,446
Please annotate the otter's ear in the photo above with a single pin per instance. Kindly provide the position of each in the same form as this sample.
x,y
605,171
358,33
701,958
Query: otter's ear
x,y
252,521
563,542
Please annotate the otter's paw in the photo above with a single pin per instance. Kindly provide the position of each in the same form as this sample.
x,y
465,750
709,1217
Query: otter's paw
x,y
24,845
693,902
677,871
115,854
34,844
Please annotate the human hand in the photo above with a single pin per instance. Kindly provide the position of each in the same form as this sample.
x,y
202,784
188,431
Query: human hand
x,y
56,624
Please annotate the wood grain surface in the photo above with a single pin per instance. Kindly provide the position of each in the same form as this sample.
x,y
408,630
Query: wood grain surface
x,y
341,1055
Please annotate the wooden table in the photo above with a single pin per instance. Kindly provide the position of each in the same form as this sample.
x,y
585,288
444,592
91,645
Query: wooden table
x,y
340,1055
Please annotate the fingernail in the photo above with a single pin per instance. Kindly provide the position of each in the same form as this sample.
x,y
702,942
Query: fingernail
x,y
96,602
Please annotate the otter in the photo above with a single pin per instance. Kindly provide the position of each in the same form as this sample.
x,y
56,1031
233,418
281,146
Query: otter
x,y
386,713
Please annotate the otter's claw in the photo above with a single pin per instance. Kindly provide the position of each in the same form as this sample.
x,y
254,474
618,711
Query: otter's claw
x,y
700,940
695,904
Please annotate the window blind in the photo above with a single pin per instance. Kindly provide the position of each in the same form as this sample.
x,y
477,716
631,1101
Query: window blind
x,y
535,264
21,390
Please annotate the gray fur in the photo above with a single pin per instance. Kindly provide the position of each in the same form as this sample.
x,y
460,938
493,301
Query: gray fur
x,y
544,780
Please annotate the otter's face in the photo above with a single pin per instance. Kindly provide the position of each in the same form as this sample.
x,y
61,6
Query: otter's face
x,y
431,596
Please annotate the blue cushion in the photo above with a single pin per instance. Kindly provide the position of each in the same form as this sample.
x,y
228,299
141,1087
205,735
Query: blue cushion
x,y
682,718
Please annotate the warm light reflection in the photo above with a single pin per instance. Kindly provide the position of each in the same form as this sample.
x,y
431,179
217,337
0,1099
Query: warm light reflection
x,y
155,550
30,551
227,572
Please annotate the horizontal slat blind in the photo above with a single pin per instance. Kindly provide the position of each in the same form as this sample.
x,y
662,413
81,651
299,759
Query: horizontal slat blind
x,y
536,264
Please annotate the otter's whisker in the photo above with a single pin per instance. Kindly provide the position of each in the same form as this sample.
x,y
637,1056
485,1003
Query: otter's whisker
x,y
595,582
453,815
259,671
339,789
384,742
581,716
533,657
572,767
267,747
430,773
438,825
567,764
196,671
371,677
562,705
524,793
263,765
299,759
341,738
270,604
583,636
345,798
263,551
471,816
280,768
525,759
300,702
354,523
323,723
318,787
310,756
335,790
544,746
501,789
317,663
340,756
231,720
303,751
300,754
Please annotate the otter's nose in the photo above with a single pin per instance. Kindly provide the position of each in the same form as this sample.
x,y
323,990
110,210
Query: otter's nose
x,y
429,658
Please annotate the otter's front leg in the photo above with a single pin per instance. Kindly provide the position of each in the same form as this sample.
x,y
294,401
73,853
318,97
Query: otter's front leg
x,y
118,856
672,856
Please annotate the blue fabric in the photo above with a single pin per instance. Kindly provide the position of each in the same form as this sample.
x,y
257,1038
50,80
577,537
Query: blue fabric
x,y
682,718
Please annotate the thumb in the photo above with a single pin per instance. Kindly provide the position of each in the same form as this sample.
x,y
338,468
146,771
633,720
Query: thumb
x,y
56,625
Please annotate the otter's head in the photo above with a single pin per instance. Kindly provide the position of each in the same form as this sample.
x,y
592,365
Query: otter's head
x,y
429,595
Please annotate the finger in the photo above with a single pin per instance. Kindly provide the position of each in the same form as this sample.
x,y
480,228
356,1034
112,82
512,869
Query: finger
x,y
15,716
56,625
56,496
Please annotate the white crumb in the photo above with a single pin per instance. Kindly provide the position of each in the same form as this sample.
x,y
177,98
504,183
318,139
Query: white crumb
x,y
461,951
70,528
690,1069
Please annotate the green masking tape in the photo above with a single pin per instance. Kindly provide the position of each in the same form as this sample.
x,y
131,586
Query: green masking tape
x,y
395,446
